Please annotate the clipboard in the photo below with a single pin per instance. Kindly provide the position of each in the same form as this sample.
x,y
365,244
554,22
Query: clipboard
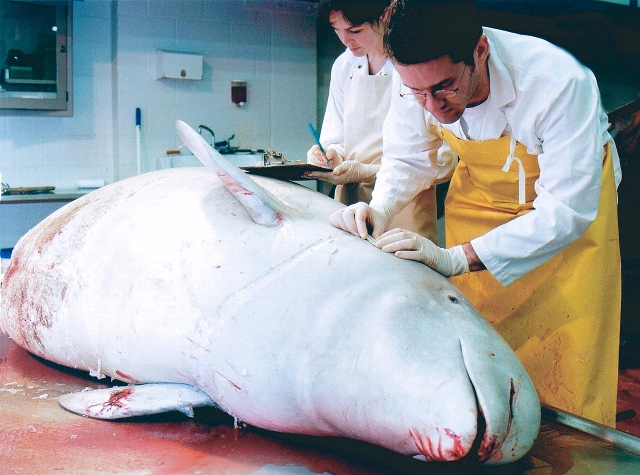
x,y
293,171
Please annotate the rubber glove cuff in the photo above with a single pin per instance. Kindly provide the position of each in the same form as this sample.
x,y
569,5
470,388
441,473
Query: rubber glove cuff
x,y
459,262
367,172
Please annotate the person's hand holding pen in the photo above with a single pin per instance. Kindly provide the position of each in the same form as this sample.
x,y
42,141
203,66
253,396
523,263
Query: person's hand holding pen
x,y
343,171
318,146
330,159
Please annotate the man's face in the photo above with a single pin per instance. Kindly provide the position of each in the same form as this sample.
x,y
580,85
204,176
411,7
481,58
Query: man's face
x,y
433,84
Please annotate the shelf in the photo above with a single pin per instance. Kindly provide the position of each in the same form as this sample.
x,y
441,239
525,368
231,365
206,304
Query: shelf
x,y
28,94
44,82
37,82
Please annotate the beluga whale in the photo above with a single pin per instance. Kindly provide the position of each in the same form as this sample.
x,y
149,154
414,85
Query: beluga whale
x,y
207,286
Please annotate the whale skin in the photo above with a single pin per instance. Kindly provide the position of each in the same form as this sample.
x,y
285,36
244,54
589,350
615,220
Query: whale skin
x,y
297,327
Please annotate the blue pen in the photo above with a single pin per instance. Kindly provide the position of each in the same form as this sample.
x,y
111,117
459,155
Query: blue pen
x,y
317,139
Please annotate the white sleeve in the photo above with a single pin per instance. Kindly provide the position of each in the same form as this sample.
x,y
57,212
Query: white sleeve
x,y
332,131
411,161
570,129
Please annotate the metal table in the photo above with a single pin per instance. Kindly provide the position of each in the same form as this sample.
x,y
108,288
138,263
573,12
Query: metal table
x,y
39,437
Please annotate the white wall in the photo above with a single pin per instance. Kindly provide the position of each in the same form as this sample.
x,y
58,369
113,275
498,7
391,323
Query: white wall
x,y
270,44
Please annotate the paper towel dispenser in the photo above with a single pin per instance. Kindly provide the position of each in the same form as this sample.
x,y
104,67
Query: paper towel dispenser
x,y
174,65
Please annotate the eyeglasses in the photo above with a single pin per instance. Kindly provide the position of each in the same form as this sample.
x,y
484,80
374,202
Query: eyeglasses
x,y
439,94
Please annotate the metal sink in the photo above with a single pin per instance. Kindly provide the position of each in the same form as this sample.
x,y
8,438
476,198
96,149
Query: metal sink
x,y
239,158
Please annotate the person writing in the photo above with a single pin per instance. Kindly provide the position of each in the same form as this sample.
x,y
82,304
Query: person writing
x,y
359,98
530,215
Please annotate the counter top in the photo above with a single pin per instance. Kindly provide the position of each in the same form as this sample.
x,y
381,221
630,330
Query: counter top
x,y
57,195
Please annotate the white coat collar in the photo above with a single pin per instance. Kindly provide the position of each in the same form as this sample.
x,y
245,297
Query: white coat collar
x,y
489,119
500,83
361,68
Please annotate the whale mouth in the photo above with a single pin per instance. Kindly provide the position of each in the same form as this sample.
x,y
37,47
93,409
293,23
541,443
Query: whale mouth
x,y
494,402
430,452
444,445
494,393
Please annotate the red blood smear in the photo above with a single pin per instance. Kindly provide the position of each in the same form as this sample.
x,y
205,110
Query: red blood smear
x,y
126,376
233,185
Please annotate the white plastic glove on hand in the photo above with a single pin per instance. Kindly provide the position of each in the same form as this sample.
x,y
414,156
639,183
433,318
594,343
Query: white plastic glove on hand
x,y
355,219
413,246
348,171
316,157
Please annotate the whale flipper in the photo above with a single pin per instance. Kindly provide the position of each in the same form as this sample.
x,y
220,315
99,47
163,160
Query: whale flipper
x,y
135,400
264,208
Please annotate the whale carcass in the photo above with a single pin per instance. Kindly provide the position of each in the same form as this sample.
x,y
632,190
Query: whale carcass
x,y
201,288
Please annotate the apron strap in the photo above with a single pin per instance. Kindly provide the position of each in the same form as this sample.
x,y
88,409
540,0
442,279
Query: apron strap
x,y
507,165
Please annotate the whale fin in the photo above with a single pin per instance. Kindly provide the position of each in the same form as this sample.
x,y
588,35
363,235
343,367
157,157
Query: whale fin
x,y
264,208
135,400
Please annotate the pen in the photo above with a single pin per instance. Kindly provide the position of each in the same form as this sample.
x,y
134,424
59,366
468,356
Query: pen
x,y
317,139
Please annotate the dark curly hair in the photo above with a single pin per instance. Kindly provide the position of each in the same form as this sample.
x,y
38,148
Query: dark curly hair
x,y
356,12
423,30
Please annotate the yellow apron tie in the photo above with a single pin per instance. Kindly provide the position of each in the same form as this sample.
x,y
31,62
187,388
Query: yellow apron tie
x,y
562,322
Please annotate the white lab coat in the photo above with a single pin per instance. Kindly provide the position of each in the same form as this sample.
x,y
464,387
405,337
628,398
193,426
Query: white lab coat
x,y
550,103
356,108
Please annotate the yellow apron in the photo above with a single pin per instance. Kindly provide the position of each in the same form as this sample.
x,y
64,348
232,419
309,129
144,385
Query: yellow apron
x,y
562,318
367,99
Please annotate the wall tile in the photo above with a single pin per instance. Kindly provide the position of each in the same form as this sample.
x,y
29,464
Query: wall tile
x,y
131,8
268,44
187,9
225,11
96,8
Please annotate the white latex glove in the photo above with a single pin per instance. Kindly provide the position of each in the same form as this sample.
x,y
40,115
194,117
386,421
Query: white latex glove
x,y
358,218
316,157
348,171
413,246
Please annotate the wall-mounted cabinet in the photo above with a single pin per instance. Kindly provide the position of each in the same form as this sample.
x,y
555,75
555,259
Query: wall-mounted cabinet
x,y
35,57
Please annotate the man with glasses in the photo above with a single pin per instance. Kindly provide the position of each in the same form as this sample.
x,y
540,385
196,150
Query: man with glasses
x,y
531,224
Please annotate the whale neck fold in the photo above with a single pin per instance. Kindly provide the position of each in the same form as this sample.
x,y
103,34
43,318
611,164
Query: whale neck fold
x,y
264,208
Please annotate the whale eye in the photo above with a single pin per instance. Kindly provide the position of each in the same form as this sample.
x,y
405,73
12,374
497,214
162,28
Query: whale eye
x,y
453,298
